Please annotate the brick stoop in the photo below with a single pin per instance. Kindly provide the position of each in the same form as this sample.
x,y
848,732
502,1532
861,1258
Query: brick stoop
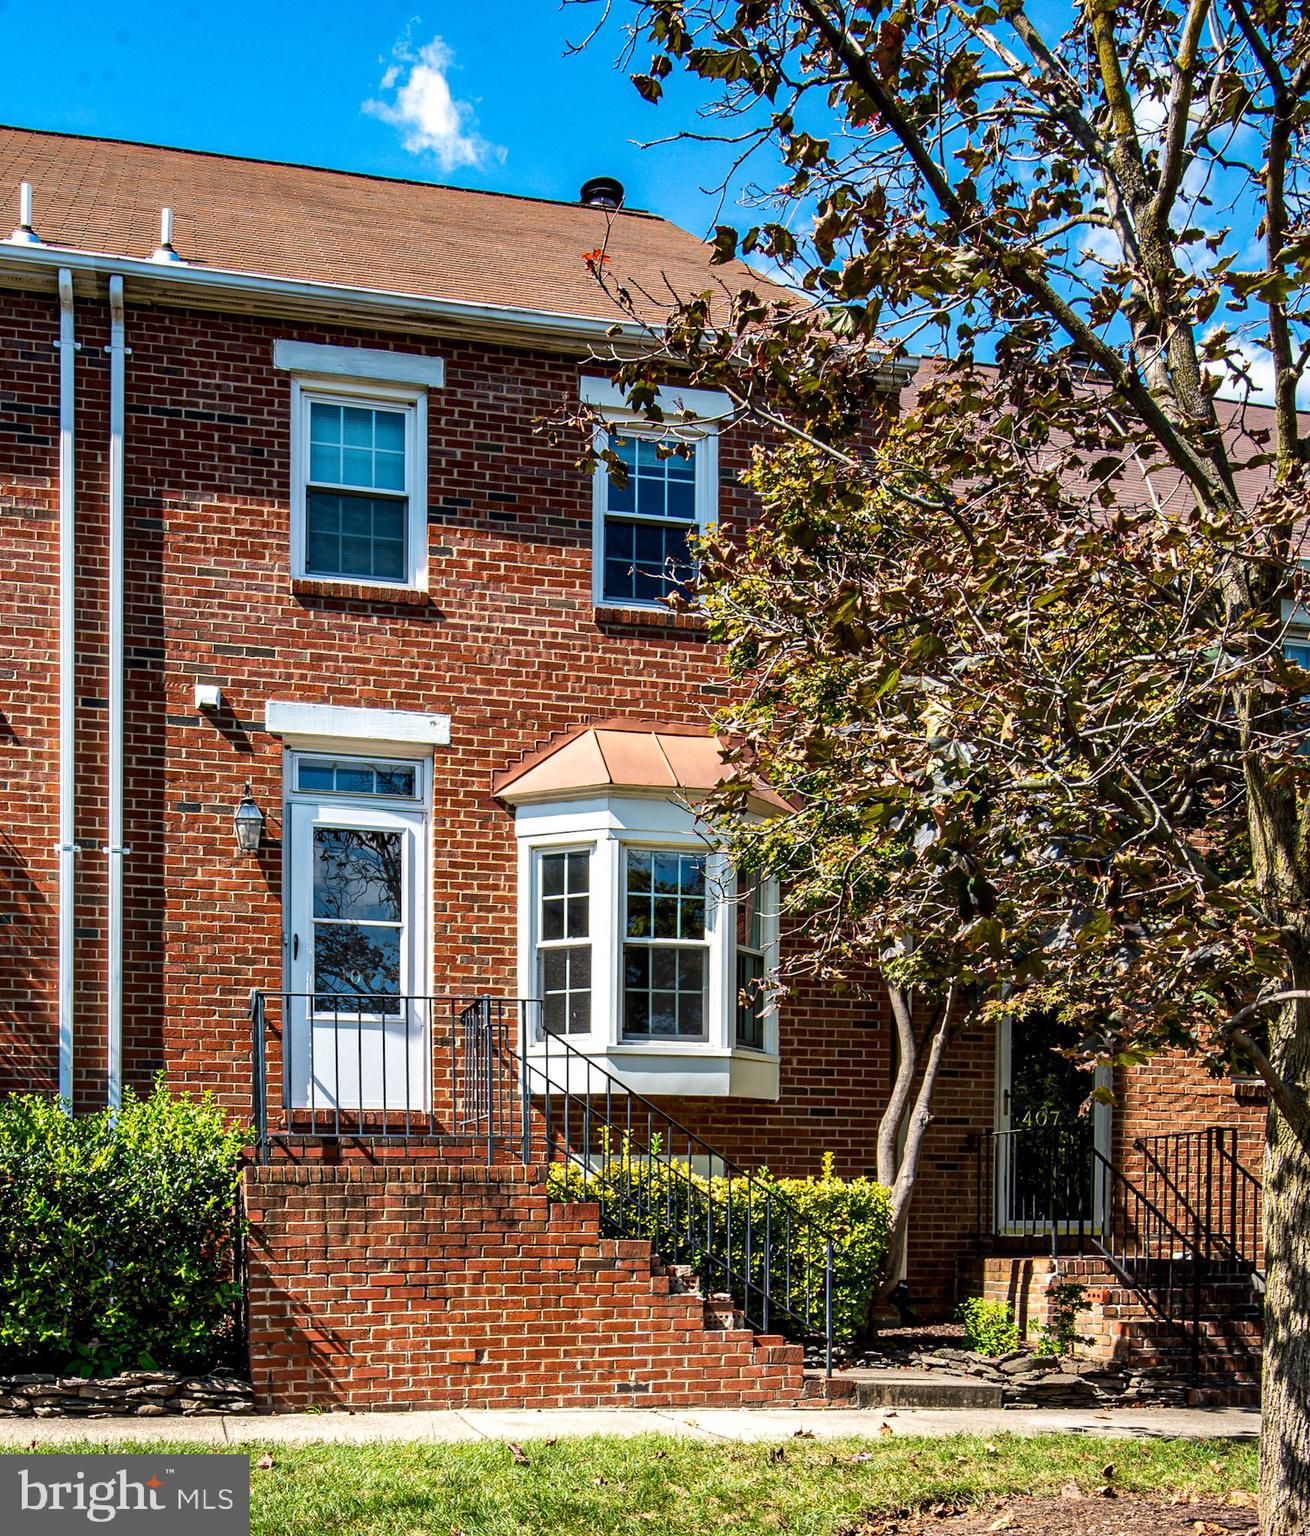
x,y
441,1285
1121,1328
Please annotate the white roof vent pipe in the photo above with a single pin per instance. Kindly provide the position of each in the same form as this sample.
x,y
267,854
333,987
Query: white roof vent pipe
x,y
164,251
25,234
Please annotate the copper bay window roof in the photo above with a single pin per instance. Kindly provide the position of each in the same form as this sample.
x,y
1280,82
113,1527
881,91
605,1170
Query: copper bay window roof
x,y
617,755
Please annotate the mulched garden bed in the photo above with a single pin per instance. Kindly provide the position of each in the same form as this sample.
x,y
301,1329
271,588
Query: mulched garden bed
x,y
1072,1513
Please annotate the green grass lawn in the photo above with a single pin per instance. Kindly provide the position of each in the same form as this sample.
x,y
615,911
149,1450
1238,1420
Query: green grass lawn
x,y
665,1487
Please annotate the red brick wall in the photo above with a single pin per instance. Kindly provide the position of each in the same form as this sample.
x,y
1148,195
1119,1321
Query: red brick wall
x,y
445,1285
507,643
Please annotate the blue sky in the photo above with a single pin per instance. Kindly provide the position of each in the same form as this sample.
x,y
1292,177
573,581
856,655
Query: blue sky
x,y
287,80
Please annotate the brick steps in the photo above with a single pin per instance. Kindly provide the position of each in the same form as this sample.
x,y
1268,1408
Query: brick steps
x,y
447,1284
1123,1329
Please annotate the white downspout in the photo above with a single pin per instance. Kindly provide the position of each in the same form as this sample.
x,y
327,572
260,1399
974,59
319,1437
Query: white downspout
x,y
114,848
67,844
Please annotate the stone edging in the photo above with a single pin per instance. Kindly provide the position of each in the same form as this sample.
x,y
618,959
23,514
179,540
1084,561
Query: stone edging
x,y
1030,1380
146,1394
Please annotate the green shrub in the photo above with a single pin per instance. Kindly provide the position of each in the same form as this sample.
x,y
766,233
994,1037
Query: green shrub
x,y
1060,1336
117,1234
711,1225
989,1326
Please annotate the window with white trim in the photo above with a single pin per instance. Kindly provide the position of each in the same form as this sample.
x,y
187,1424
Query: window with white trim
x,y
649,516
751,943
665,944
358,512
563,925
644,520
634,939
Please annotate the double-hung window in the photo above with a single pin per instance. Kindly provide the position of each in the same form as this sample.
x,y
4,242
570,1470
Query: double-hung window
x,y
665,944
645,517
564,941
648,519
358,512
752,1004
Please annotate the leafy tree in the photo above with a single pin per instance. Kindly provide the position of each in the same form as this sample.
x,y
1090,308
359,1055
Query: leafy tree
x,y
1043,618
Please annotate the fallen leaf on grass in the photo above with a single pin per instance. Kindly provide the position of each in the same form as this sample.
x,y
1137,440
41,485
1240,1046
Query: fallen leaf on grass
x,y
1003,1522
862,1456
886,1429
991,1448
1108,1491
1107,1473
266,1461
516,1451
777,1453
802,1434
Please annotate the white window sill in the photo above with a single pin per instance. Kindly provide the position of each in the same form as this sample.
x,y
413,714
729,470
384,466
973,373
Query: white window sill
x,y
662,1069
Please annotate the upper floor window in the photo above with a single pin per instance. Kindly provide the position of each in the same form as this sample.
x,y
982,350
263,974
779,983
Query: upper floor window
x,y
645,518
358,510
648,521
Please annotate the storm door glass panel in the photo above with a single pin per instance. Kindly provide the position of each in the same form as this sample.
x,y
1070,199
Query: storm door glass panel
x,y
1046,1161
358,918
665,948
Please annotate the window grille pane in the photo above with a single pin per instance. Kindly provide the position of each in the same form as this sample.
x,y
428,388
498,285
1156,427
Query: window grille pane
x,y
645,562
356,445
357,874
324,776
360,536
563,969
663,991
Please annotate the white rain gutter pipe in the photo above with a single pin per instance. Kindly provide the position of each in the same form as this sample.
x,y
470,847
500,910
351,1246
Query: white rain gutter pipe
x,y
114,848
66,847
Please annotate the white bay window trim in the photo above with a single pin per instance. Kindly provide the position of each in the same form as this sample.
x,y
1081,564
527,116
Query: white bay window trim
x,y
608,826
411,401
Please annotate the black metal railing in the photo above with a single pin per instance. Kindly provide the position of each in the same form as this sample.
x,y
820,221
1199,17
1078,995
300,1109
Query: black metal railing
x,y
1197,1180
384,1068
1180,1220
1036,1181
453,1068
653,1178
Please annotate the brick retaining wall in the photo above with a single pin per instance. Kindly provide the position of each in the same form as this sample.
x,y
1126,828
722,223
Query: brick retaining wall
x,y
444,1285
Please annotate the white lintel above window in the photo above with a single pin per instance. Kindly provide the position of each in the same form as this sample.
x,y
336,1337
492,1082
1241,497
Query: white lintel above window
x,y
363,363
397,732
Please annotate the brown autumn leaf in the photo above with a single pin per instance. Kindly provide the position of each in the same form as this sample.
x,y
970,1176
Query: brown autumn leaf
x,y
266,1461
516,1451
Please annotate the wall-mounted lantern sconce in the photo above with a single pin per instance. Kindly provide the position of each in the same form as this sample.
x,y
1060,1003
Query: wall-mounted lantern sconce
x,y
248,822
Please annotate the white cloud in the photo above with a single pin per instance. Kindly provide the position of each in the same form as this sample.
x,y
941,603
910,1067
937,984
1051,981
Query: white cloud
x,y
1257,375
419,102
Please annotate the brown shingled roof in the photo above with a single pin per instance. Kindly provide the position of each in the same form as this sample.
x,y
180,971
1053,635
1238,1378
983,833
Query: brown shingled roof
x,y
307,224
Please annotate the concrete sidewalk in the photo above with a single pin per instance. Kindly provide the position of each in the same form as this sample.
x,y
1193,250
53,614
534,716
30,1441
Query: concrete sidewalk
x,y
453,1426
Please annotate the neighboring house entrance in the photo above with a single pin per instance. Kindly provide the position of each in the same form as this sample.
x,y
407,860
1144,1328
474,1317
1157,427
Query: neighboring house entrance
x,y
356,909
1045,1167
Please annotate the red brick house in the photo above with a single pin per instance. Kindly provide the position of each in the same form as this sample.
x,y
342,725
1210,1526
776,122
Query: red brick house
x,y
285,542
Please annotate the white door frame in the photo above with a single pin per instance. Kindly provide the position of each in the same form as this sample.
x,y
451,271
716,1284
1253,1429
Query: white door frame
x,y
356,1062
1003,1221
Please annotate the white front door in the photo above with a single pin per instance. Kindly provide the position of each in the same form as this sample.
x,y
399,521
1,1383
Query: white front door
x,y
357,1025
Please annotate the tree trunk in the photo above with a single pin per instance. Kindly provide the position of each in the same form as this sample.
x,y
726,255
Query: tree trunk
x,y
1285,1395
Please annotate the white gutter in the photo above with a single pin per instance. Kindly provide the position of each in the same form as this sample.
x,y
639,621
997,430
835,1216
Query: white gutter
x,y
66,848
335,300
114,848
328,296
